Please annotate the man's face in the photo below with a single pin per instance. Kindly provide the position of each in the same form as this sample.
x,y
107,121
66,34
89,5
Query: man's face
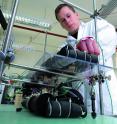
x,y
69,20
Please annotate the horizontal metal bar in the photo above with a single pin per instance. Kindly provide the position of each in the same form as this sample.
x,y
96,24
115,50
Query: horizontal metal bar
x,y
77,7
46,71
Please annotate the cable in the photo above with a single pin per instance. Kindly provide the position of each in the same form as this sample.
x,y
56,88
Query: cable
x,y
103,63
109,95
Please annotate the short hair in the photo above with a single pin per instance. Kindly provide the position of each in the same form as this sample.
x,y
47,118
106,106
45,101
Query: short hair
x,y
60,6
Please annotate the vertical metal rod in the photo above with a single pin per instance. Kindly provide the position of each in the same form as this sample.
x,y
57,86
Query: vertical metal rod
x,y
8,34
100,83
95,23
101,98
45,45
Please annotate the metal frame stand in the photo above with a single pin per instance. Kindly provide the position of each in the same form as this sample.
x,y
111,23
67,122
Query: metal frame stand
x,y
8,34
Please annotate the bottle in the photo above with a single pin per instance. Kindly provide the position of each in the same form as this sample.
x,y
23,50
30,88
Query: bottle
x,y
18,100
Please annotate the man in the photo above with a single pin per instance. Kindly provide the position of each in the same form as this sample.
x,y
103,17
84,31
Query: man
x,y
104,47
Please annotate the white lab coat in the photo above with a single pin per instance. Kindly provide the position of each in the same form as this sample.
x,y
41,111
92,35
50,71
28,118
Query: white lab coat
x,y
107,40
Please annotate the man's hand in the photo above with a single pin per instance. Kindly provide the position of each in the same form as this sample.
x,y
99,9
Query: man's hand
x,y
89,45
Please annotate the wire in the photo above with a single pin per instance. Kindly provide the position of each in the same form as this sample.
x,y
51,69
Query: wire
x,y
109,95
103,63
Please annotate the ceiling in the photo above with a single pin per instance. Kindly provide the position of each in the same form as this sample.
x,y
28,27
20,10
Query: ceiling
x,y
29,38
44,10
